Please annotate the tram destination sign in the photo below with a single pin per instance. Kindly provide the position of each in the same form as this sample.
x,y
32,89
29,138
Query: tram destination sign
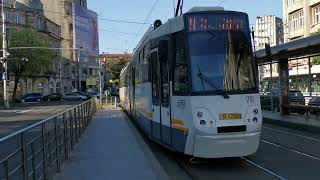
x,y
207,22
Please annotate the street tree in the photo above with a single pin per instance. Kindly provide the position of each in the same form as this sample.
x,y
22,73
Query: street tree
x,y
28,62
116,69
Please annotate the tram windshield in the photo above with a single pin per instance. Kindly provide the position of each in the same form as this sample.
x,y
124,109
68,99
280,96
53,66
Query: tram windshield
x,y
221,61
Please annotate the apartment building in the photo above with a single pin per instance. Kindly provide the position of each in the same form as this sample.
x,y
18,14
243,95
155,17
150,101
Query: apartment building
x,y
19,16
77,59
301,18
269,29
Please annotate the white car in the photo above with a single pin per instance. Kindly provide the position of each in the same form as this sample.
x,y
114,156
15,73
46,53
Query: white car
x,y
75,97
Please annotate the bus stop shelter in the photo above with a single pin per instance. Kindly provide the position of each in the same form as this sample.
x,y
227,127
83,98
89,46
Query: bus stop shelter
x,y
305,48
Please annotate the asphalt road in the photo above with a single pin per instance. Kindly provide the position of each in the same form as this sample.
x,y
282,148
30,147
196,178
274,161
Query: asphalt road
x,y
23,115
283,153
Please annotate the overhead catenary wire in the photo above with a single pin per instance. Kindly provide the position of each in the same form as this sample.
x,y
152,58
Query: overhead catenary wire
x,y
88,17
119,32
221,3
150,12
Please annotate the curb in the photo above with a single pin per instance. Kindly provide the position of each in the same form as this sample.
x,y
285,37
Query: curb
x,y
155,164
292,125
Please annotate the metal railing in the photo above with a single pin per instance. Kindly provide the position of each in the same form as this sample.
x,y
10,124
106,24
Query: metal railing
x,y
36,151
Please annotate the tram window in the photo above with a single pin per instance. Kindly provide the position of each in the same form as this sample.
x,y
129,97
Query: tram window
x,y
155,80
145,65
164,84
181,81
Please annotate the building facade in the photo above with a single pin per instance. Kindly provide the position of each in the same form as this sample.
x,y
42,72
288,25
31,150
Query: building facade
x,y
301,18
58,18
20,16
269,29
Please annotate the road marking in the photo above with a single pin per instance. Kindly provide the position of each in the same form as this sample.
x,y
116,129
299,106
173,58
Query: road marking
x,y
25,111
9,111
264,169
289,149
38,110
298,135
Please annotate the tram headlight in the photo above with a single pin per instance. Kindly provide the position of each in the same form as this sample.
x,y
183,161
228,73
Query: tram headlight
x,y
203,122
203,119
253,115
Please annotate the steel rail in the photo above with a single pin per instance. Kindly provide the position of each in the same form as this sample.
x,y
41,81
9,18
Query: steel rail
x,y
263,168
289,133
291,149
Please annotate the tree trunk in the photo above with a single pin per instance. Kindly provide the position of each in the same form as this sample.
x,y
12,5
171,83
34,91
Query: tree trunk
x,y
16,82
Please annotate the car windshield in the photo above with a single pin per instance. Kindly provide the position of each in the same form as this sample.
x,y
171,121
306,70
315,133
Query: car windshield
x,y
225,58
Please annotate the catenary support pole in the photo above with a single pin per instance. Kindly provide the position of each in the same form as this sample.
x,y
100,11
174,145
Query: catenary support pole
x,y
4,57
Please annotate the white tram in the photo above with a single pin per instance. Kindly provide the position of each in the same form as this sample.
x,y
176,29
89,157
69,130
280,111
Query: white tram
x,y
192,85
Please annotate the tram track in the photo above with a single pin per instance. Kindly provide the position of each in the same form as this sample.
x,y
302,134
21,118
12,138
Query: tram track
x,y
263,168
290,149
292,134
258,166
183,165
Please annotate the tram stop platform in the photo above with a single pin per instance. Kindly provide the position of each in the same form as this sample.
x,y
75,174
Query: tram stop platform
x,y
111,148
307,122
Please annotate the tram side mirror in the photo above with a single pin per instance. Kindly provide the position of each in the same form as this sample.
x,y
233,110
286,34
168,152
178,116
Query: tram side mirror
x,y
163,50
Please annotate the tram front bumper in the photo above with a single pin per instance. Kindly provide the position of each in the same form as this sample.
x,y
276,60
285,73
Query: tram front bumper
x,y
221,146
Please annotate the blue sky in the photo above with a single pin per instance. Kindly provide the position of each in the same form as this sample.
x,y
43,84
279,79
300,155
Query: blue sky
x,y
119,37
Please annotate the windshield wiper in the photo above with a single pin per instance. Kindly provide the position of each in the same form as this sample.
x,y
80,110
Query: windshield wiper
x,y
202,76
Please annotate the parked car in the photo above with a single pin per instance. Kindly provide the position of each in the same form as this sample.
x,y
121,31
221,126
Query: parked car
x,y
32,97
295,98
314,101
75,97
53,97
97,95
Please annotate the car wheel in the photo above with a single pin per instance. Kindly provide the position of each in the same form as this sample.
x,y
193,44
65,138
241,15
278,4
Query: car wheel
x,y
38,100
48,100
23,101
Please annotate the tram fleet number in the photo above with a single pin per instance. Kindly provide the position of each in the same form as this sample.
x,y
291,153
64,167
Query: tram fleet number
x,y
250,99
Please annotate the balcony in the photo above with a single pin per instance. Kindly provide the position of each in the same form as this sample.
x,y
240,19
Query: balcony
x,y
297,33
294,7
313,2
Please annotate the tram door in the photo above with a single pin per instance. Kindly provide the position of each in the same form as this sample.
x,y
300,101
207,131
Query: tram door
x,y
156,110
164,93
160,98
133,75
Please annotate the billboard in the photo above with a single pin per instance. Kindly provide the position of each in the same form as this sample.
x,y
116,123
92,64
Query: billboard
x,y
86,31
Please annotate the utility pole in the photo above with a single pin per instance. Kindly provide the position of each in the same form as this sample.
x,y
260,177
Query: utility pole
x,y
100,82
4,57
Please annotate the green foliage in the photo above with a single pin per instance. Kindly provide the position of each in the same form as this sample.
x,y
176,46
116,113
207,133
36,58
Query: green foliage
x,y
39,60
28,61
115,69
315,60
